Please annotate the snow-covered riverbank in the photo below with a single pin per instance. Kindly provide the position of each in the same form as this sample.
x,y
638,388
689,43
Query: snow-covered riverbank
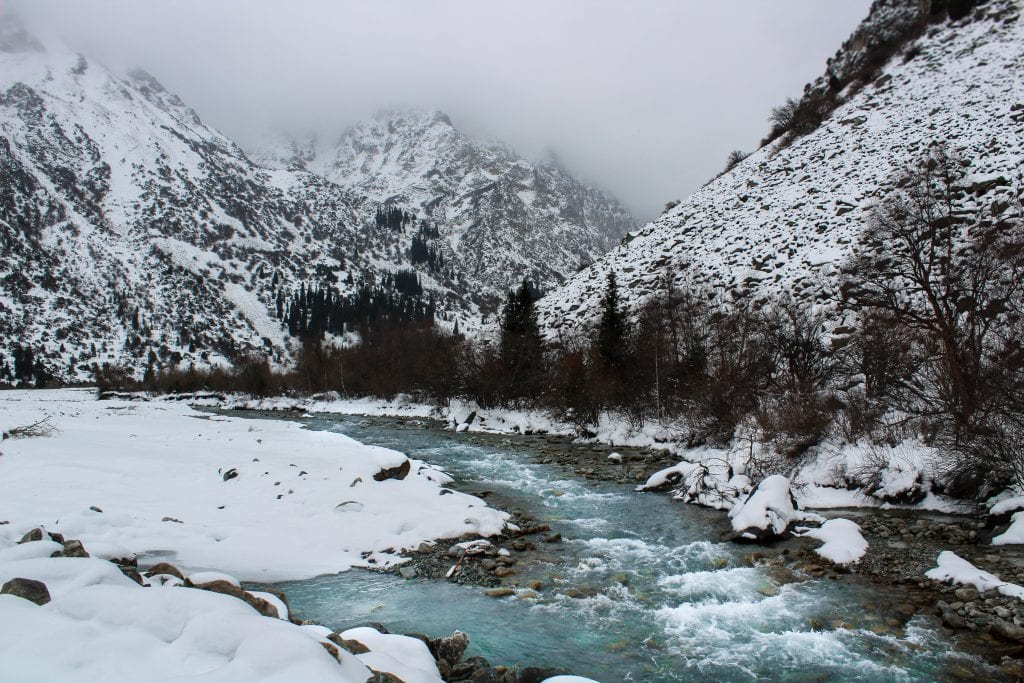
x,y
264,500
159,481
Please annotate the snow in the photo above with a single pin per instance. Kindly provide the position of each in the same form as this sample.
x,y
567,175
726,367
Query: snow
x,y
769,507
800,207
1007,504
304,503
834,475
407,658
100,625
144,463
568,679
278,603
1014,534
842,541
200,578
951,567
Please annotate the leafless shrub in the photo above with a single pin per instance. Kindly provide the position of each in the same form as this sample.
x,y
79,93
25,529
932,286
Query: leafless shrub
x,y
794,423
41,428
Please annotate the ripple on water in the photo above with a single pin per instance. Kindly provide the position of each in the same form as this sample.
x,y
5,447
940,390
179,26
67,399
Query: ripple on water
x,y
604,555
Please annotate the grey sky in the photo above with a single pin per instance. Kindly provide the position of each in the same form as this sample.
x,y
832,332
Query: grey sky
x,y
645,98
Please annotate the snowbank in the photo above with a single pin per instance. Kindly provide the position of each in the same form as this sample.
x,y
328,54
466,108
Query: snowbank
x,y
262,499
407,658
951,567
109,628
842,541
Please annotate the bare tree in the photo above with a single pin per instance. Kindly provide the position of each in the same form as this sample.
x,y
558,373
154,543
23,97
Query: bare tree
x,y
939,267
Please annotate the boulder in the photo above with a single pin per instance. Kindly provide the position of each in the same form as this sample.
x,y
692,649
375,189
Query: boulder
x,y
966,594
465,670
165,568
332,649
34,535
768,513
227,588
29,589
398,472
1006,630
74,548
534,674
351,646
449,649
230,474
264,607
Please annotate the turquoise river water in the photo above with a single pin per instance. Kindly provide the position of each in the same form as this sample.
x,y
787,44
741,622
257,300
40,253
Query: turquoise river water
x,y
653,594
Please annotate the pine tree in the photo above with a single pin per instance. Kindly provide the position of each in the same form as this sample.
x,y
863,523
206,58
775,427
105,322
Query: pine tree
x,y
612,335
522,348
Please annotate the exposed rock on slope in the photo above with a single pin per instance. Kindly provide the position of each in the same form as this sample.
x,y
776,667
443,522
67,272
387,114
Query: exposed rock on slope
x,y
783,220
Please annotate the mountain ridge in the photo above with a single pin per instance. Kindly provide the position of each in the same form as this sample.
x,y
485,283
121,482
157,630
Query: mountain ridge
x,y
136,235
781,223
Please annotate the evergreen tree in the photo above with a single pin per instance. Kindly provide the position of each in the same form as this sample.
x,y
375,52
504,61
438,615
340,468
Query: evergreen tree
x,y
522,349
612,334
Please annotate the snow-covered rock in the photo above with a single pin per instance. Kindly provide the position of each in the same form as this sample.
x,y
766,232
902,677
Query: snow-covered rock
x,y
768,512
110,628
1014,534
841,539
406,658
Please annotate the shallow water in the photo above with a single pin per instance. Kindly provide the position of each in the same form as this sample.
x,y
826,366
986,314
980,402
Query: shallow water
x,y
653,594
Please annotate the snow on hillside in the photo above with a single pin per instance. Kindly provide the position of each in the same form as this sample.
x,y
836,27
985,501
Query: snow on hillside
x,y
132,233
783,220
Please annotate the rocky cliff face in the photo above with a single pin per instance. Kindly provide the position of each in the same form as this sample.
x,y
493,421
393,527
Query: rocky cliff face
x,y
783,221
133,233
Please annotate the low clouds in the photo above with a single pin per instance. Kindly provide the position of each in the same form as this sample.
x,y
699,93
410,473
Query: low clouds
x,y
645,98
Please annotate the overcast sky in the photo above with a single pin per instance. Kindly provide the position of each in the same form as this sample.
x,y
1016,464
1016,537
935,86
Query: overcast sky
x,y
643,97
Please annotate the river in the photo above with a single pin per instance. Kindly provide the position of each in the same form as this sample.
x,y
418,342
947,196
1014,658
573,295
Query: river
x,y
640,589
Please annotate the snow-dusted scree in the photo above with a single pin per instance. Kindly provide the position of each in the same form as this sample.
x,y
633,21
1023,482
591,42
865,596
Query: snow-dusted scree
x,y
784,219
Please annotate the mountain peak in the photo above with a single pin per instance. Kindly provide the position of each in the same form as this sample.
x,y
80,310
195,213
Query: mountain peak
x,y
412,115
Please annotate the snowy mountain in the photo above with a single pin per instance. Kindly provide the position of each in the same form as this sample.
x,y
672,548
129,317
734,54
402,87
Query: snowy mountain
x,y
499,217
133,233
783,220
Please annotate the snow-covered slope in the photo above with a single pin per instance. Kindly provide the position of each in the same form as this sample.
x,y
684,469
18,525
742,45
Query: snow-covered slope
x,y
499,217
130,229
133,233
782,221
